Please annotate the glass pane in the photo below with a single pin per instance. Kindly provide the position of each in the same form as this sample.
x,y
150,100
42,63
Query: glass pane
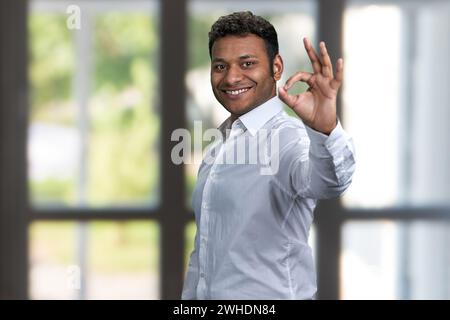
x,y
53,145
94,126
389,260
292,20
396,102
123,159
53,272
95,260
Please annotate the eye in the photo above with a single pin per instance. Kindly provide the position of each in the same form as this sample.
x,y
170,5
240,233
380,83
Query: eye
x,y
248,64
219,67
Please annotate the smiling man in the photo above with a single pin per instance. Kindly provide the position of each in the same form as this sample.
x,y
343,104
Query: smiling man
x,y
242,72
253,228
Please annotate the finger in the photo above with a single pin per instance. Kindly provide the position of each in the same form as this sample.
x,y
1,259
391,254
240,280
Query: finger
x,y
336,82
286,97
299,76
327,66
316,64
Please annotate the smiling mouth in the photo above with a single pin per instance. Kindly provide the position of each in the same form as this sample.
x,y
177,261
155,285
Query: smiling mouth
x,y
237,92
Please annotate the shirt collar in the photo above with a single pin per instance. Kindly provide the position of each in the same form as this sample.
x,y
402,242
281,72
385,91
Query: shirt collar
x,y
224,126
256,118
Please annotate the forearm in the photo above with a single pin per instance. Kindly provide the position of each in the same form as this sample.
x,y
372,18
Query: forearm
x,y
331,163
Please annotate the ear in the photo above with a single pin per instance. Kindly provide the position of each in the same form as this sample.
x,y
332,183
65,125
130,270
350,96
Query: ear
x,y
278,67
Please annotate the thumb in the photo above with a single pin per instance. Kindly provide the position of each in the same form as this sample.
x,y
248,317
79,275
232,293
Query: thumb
x,y
286,97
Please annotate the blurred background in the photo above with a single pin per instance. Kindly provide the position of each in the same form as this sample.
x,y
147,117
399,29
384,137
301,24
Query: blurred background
x,y
93,208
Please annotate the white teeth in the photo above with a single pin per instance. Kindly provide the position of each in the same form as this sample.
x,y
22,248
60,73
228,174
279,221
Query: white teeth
x,y
235,92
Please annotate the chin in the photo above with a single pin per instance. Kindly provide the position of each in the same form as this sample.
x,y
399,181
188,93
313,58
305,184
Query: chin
x,y
237,105
238,109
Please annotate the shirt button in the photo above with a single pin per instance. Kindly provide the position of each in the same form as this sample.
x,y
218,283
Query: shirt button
x,y
205,206
202,275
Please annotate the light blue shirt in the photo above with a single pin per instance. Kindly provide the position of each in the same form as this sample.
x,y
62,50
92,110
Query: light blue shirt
x,y
253,227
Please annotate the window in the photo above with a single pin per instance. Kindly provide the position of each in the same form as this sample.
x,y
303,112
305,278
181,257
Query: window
x,y
94,260
97,94
94,121
94,145
406,159
395,260
396,105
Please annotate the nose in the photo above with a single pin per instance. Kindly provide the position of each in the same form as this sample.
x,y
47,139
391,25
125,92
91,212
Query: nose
x,y
233,76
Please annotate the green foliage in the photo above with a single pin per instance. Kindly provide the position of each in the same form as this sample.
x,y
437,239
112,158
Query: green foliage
x,y
120,40
199,27
123,166
52,190
129,246
123,124
52,60
114,247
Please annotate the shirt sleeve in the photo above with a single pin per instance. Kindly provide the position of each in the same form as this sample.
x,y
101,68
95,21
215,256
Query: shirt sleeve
x,y
314,165
191,279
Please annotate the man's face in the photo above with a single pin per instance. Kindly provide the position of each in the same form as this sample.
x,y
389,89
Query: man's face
x,y
241,78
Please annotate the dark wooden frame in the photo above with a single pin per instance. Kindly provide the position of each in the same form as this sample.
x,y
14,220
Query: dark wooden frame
x,y
172,215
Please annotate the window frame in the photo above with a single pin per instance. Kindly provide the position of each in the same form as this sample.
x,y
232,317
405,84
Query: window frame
x,y
171,214
331,215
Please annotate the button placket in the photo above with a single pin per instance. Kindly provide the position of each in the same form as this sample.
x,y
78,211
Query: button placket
x,y
204,227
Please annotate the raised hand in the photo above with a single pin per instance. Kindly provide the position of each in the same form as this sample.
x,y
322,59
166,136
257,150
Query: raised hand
x,y
317,106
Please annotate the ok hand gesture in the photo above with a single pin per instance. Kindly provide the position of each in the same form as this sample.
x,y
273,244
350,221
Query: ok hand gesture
x,y
317,106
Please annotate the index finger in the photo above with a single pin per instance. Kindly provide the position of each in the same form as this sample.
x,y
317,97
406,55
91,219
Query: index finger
x,y
316,64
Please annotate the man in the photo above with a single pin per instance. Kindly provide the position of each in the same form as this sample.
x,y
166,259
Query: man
x,y
252,228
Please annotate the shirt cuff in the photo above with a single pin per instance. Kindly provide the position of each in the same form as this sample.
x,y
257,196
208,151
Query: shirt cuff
x,y
323,145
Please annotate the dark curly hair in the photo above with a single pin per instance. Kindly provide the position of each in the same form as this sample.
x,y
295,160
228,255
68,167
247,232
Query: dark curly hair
x,y
244,23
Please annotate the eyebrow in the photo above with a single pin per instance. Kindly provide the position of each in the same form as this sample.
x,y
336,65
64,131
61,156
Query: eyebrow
x,y
243,57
